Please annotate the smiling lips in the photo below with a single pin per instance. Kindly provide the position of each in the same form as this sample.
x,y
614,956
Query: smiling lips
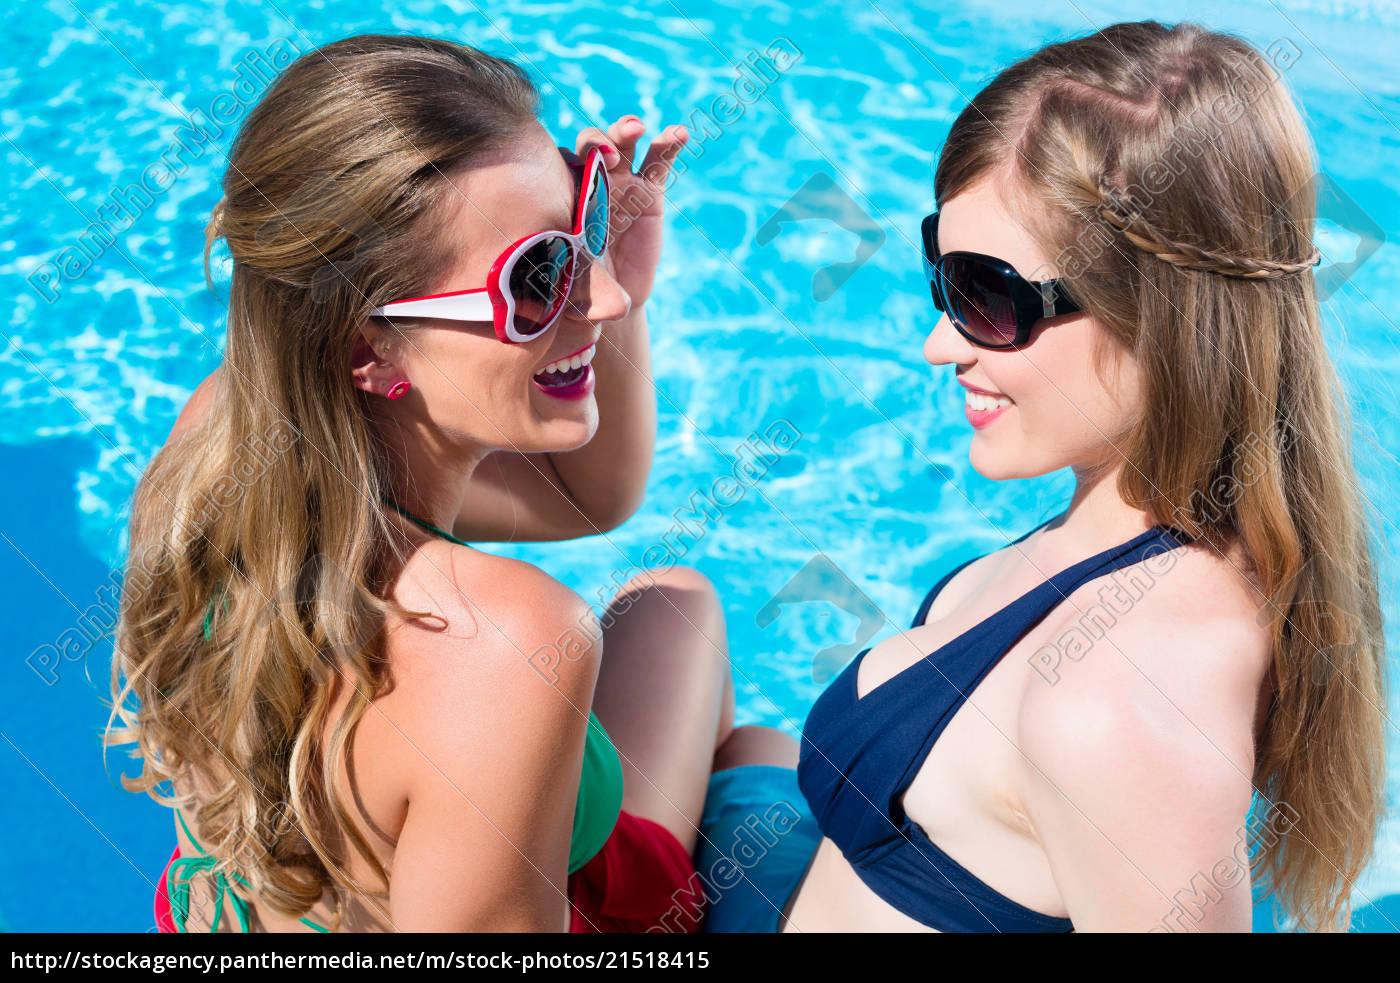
x,y
983,407
569,377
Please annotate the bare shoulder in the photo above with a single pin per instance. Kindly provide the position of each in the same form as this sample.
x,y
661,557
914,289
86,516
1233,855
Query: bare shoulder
x,y
1196,609
498,632
196,407
1138,754
1158,665
489,710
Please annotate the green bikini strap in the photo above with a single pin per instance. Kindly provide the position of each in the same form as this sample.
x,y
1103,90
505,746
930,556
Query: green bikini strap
x,y
209,615
182,874
422,522
180,891
203,862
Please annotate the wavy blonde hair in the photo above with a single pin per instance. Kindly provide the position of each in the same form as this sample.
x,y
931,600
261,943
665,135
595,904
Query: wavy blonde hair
x,y
259,556
1170,173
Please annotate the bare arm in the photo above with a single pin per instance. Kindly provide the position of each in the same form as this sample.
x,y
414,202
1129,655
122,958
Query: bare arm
x,y
583,492
597,487
1139,780
492,756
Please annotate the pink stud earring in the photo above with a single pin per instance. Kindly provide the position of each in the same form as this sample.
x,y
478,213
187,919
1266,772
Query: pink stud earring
x,y
398,389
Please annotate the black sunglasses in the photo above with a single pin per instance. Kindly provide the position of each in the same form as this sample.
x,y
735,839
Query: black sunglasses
x,y
989,303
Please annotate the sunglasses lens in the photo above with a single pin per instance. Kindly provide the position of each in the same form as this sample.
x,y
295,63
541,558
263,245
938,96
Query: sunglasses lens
x,y
595,216
979,301
539,282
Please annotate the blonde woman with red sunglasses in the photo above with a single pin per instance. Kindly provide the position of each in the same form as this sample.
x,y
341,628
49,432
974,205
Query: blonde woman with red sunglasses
x,y
437,324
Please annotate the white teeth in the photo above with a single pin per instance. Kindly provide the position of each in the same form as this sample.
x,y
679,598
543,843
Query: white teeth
x,y
981,402
573,362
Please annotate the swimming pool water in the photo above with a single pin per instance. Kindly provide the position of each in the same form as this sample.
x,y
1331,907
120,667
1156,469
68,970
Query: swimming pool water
x,y
834,539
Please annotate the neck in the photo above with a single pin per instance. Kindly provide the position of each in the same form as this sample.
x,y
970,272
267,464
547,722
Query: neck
x,y
429,476
1097,516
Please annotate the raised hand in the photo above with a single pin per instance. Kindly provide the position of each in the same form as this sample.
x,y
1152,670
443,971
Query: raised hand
x,y
637,199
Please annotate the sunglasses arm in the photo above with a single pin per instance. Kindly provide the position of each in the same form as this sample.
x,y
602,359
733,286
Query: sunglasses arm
x,y
473,305
1053,300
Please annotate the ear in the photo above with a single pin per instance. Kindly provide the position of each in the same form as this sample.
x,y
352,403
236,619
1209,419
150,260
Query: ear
x,y
370,366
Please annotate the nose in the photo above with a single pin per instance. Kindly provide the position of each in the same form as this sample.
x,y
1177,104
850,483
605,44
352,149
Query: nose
x,y
596,294
945,345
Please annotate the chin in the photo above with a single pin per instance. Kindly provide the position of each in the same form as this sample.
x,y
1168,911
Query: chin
x,y
1002,464
570,435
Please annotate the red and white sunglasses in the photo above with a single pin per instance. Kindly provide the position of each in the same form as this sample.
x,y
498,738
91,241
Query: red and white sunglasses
x,y
529,282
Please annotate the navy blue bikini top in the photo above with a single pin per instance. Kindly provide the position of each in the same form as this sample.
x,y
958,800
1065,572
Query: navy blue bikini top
x,y
860,755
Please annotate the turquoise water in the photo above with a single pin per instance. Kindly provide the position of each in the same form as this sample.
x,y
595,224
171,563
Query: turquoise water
x,y
873,501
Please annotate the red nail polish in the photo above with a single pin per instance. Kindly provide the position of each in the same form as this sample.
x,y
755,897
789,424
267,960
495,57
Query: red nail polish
x,y
607,149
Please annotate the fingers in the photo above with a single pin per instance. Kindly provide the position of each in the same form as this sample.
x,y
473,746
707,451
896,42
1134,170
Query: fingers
x,y
622,139
624,134
594,137
662,154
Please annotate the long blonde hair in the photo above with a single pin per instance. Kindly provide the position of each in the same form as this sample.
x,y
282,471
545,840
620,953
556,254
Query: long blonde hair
x,y
1170,174
259,554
